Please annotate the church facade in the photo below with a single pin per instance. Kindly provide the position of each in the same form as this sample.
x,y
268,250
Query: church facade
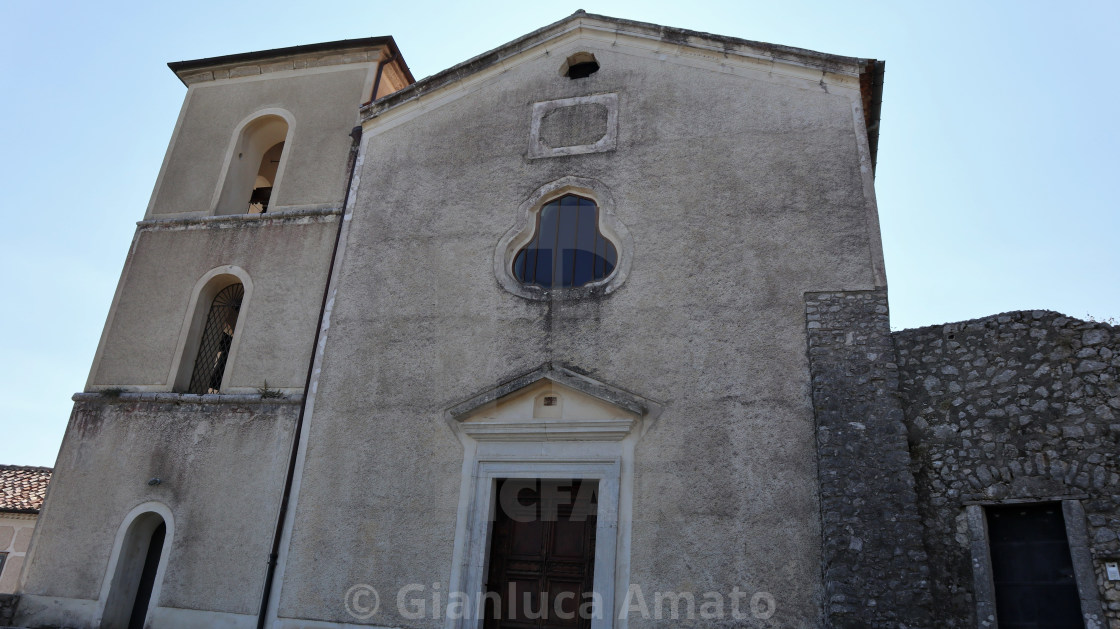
x,y
588,331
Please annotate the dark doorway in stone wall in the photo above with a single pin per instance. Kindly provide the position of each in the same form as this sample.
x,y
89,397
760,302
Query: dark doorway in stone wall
x,y
1032,568
542,555
130,594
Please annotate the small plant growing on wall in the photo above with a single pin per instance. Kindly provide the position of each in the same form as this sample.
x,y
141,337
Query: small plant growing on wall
x,y
267,393
1108,320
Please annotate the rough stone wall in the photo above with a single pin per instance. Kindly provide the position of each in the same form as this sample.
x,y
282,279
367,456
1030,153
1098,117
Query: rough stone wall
x,y
874,563
1017,406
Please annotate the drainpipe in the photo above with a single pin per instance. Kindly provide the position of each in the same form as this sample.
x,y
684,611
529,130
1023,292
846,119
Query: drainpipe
x,y
285,499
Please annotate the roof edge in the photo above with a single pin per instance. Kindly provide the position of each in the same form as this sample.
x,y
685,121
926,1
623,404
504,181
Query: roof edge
x,y
871,91
21,511
27,468
681,36
180,68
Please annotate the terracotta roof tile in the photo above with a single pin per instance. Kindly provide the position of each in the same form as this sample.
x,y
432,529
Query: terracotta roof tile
x,y
23,488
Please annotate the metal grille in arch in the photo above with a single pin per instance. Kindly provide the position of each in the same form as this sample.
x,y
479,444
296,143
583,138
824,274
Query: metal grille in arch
x,y
217,337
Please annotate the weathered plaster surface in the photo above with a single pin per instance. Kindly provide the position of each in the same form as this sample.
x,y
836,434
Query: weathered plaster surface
x,y
286,259
740,194
322,104
221,470
15,537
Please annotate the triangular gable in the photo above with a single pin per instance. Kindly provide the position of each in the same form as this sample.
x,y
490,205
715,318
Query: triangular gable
x,y
727,46
865,75
551,403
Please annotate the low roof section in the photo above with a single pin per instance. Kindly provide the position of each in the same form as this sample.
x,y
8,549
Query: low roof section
x,y
23,488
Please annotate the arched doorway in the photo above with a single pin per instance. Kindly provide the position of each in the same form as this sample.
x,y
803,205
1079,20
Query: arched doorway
x,y
134,580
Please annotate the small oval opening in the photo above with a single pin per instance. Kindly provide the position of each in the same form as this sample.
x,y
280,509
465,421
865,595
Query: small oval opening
x,y
580,66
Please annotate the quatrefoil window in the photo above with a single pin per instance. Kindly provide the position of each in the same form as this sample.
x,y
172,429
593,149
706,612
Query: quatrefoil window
x,y
567,249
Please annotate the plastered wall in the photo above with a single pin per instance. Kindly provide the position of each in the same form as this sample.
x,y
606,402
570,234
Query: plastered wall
x,y
741,191
221,470
15,536
286,260
322,104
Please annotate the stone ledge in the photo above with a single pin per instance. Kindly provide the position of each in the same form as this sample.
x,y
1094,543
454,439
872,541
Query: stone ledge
x,y
297,62
239,220
185,398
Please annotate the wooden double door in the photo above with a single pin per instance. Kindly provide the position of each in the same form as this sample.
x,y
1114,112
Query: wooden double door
x,y
542,555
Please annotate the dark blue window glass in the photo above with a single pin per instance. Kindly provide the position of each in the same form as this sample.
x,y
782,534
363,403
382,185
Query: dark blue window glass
x,y
567,249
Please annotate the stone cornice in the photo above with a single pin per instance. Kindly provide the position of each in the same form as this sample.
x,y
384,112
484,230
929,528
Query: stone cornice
x,y
347,51
185,398
300,216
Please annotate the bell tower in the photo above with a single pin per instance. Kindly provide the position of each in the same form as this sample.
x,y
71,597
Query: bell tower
x,y
190,412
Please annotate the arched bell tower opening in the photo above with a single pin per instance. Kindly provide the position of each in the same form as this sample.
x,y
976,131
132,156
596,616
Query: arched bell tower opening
x,y
255,166
266,178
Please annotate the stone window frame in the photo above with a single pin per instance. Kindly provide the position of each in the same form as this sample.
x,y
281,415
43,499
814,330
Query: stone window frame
x,y
522,232
1077,534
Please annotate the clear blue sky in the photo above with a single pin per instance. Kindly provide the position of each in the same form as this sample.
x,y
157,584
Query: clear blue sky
x,y
996,160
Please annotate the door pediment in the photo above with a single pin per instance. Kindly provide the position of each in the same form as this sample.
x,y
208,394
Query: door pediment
x,y
551,403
